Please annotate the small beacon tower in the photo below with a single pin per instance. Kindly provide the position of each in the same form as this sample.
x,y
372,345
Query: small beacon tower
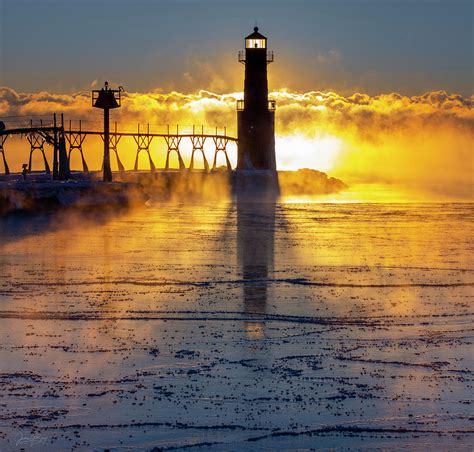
x,y
106,99
256,114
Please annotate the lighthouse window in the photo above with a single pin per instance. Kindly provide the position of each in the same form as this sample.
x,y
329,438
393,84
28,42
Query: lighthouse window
x,y
255,43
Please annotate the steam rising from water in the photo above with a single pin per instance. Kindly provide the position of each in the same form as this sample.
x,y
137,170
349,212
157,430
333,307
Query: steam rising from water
x,y
421,142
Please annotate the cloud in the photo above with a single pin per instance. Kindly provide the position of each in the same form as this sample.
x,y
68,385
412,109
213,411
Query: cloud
x,y
425,139
330,57
362,113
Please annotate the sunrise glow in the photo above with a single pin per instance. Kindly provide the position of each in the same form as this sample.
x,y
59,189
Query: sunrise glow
x,y
298,151
238,225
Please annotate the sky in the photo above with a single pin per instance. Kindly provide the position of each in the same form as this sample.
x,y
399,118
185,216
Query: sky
x,y
370,91
371,46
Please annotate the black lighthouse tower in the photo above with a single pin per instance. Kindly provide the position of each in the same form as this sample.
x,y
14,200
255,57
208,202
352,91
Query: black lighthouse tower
x,y
256,114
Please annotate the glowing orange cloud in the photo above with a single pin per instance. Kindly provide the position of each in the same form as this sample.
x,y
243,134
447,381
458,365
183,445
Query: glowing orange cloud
x,y
421,140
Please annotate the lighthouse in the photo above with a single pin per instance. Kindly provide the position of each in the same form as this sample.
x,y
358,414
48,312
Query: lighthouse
x,y
256,113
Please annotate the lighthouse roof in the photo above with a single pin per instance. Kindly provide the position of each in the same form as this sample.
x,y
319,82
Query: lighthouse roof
x,y
255,35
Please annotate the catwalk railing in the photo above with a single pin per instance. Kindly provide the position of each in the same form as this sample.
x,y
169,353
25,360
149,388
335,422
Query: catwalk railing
x,y
67,136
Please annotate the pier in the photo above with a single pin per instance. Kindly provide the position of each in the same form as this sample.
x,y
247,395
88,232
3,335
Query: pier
x,y
68,136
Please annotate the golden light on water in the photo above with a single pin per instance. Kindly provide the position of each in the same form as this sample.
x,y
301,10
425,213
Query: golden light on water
x,y
365,193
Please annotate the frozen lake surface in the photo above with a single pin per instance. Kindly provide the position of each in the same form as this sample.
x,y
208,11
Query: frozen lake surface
x,y
238,326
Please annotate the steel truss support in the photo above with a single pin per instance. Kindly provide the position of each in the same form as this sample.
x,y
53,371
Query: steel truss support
x,y
143,144
114,141
3,138
198,145
172,142
113,145
61,169
37,142
221,145
75,141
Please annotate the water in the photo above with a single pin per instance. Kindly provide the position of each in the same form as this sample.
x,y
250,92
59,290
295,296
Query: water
x,y
238,326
